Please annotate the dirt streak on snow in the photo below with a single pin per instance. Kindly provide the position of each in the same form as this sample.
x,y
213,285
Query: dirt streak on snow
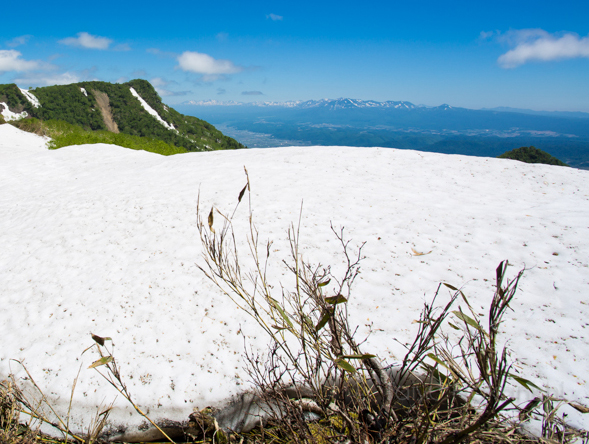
x,y
101,239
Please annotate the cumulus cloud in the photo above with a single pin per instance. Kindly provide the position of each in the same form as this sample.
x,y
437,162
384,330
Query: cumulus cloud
x,y
122,47
539,45
10,60
49,79
56,78
210,68
486,35
17,41
160,84
252,93
88,41
160,53
274,17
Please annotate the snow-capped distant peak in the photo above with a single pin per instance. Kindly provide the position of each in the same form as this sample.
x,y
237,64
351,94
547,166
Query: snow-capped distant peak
x,y
331,104
152,111
84,92
31,98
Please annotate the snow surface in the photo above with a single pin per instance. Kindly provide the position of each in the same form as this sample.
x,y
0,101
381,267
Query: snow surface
x,y
15,143
9,115
152,111
84,91
31,98
102,239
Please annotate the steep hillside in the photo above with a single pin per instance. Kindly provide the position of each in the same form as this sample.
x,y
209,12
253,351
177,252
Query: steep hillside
x,y
132,108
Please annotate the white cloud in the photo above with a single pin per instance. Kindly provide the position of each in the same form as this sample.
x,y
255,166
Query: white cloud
x,y
17,41
159,53
122,47
274,17
49,79
10,60
85,40
160,84
486,35
539,45
158,81
204,64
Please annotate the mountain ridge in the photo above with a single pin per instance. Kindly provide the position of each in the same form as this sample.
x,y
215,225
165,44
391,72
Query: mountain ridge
x,y
133,108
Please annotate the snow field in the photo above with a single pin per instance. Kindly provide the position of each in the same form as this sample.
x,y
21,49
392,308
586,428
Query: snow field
x,y
100,239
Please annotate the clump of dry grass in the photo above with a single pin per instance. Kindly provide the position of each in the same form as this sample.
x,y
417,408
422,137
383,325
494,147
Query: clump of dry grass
x,y
11,431
34,126
317,384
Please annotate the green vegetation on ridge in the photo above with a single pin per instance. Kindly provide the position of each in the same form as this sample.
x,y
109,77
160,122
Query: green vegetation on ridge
x,y
16,101
65,134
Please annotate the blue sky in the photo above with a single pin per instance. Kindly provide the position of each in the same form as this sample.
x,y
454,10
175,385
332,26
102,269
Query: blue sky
x,y
525,54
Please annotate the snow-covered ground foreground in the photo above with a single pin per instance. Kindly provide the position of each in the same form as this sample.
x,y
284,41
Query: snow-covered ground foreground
x,y
103,239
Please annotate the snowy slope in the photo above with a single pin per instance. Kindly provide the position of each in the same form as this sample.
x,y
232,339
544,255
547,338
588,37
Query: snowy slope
x,y
100,239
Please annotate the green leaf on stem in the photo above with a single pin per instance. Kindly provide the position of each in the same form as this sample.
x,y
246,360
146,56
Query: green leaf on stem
x,y
334,300
525,382
362,356
345,365
102,361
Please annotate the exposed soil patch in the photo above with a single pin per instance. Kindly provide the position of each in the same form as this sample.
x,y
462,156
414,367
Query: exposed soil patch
x,y
104,105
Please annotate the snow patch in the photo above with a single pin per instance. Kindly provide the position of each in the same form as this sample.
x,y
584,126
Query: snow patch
x,y
152,111
84,92
31,98
17,144
9,115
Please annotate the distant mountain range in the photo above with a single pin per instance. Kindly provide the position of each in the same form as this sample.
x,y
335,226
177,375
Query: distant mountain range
x,y
331,104
132,108
400,124
344,103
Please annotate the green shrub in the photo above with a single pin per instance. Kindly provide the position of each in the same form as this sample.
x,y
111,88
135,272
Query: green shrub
x,y
124,140
531,154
